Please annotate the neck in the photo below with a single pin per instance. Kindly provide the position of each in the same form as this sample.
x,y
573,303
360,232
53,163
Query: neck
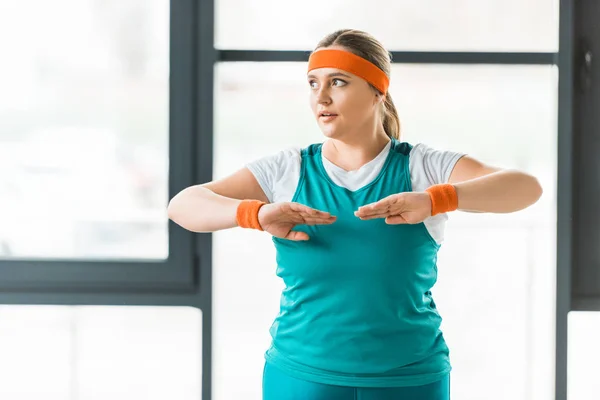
x,y
351,154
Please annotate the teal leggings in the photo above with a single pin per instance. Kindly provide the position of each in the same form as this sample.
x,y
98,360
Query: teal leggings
x,y
279,386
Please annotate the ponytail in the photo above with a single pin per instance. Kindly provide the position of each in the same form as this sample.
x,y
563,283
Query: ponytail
x,y
391,120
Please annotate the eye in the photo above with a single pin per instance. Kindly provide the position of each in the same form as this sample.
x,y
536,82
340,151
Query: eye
x,y
312,84
339,82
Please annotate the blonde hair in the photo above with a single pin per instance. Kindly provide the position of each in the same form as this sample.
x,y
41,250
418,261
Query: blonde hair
x,y
366,46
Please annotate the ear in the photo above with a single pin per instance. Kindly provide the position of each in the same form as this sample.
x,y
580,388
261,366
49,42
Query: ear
x,y
379,98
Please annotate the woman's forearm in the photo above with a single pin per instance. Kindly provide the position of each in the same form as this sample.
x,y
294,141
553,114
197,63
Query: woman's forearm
x,y
504,191
198,209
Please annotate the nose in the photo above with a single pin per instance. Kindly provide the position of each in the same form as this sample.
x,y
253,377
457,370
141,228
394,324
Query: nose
x,y
323,96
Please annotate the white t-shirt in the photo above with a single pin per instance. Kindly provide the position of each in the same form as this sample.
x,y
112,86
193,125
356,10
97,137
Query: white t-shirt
x,y
278,175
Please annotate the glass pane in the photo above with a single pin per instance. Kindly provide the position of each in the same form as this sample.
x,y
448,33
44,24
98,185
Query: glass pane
x,y
460,25
93,353
497,303
584,352
84,129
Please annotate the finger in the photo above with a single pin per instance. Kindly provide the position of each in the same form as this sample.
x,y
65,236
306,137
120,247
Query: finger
x,y
305,210
310,220
373,208
323,217
385,204
319,221
396,220
374,216
297,207
389,210
371,213
302,219
296,236
294,209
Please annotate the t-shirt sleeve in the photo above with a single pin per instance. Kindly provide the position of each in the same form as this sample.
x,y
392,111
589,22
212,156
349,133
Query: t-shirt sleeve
x,y
430,166
271,170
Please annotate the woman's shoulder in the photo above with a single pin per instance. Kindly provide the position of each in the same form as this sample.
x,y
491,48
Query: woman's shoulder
x,y
279,159
433,164
427,151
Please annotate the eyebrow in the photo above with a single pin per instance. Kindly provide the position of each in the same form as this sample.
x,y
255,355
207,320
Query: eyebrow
x,y
331,75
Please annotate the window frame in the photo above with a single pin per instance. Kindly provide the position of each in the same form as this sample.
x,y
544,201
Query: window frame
x,y
185,278
74,281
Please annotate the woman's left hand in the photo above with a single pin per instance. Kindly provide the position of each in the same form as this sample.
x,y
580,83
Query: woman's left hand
x,y
401,208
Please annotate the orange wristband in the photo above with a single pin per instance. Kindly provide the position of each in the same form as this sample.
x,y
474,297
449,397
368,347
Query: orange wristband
x,y
443,198
247,214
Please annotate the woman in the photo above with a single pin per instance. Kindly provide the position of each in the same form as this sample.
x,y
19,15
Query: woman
x,y
357,222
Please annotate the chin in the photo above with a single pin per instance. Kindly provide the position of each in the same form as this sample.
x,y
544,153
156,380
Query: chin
x,y
329,131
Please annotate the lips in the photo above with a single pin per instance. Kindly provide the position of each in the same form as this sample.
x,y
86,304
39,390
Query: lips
x,y
327,118
327,114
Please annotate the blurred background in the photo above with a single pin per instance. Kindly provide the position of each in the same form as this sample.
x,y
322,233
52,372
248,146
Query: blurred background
x,y
87,170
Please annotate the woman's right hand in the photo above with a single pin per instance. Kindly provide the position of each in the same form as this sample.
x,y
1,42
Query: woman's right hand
x,y
280,218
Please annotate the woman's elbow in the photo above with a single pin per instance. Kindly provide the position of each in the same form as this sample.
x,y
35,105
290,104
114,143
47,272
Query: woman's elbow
x,y
176,209
173,212
535,189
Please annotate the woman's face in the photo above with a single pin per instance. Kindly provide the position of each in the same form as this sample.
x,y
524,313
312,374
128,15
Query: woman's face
x,y
342,103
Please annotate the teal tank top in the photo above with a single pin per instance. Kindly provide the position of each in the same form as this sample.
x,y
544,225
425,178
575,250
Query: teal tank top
x,y
357,308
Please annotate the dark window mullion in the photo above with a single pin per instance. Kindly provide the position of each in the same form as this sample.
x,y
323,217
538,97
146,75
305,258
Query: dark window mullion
x,y
203,169
409,57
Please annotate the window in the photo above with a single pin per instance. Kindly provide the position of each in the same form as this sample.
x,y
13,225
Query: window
x,y
425,25
84,129
584,351
93,93
121,353
497,305
106,111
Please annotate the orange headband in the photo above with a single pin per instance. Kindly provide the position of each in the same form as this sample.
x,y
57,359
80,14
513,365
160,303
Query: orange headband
x,y
352,63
